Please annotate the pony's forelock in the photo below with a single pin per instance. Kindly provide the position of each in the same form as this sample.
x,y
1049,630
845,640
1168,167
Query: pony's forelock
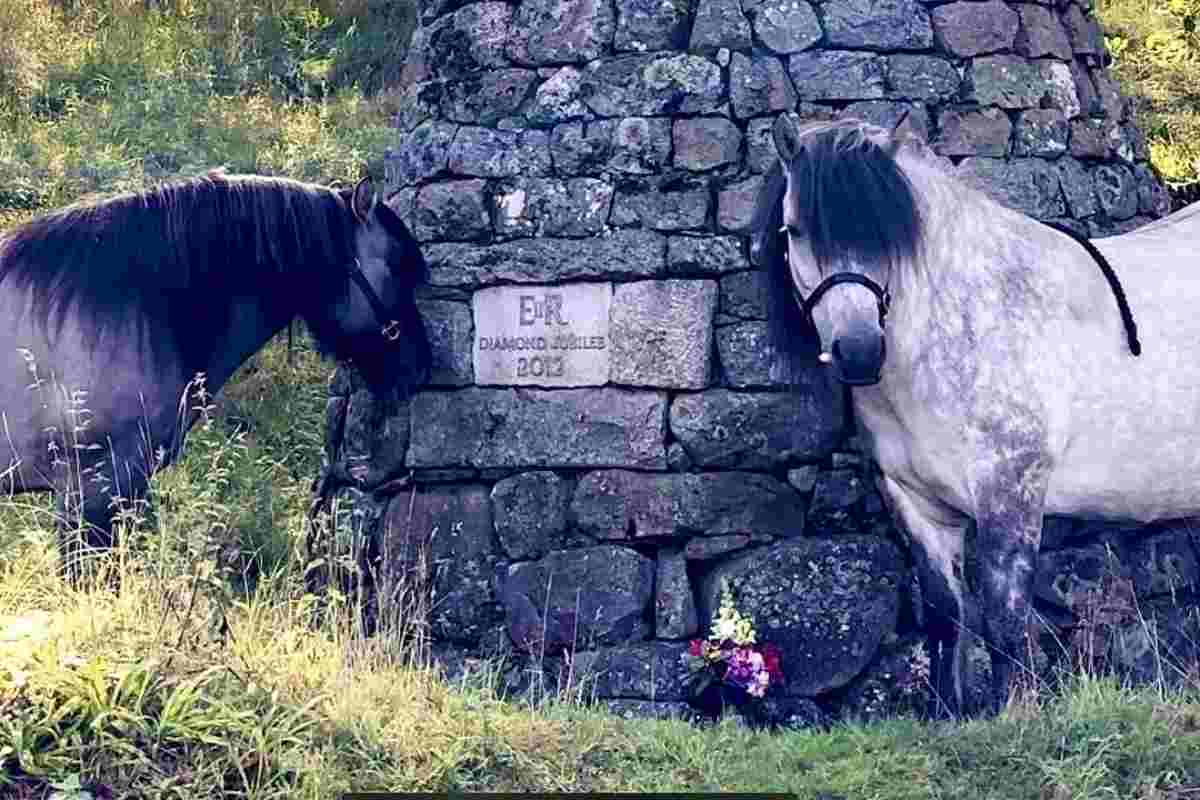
x,y
855,206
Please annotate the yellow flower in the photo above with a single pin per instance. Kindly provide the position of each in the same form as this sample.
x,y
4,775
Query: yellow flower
x,y
730,624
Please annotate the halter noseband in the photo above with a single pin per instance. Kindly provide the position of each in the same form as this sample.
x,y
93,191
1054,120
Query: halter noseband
x,y
389,326
883,297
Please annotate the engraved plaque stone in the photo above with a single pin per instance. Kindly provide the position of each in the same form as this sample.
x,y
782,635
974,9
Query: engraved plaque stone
x,y
542,335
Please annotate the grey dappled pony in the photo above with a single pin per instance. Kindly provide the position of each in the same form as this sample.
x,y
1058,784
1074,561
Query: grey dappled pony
x,y
110,312
996,371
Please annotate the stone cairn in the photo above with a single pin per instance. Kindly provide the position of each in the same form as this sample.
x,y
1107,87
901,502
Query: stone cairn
x,y
605,439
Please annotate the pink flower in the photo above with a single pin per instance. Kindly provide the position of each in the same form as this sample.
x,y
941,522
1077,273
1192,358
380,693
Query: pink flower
x,y
772,658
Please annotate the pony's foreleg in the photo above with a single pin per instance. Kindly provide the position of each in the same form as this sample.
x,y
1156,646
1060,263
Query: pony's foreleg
x,y
84,527
86,509
1008,535
936,533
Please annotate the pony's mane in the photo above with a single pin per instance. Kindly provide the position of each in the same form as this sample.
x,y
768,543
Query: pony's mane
x,y
857,207
175,255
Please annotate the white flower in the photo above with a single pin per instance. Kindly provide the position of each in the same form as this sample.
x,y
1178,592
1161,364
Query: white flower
x,y
726,628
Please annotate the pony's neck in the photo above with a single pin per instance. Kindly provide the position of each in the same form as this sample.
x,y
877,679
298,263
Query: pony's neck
x,y
252,322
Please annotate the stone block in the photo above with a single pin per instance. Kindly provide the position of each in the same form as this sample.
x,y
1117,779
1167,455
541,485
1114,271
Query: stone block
x,y
578,599
675,209
838,75
1010,81
877,24
674,605
543,335
617,505
530,513
720,23
736,204
704,143
448,326
827,603
973,133
759,430
759,84
450,210
551,207
662,333
649,25
1042,132
621,254
645,671
640,145
487,153
558,99
967,29
1116,190
704,255
927,79
440,544
649,85
1041,34
487,97
1030,185
561,31
568,428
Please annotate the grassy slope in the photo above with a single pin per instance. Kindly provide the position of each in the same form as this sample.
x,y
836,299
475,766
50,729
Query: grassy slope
x,y
138,696
1156,58
185,688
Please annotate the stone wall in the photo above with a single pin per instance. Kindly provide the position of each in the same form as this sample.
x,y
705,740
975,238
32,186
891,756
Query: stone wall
x,y
604,439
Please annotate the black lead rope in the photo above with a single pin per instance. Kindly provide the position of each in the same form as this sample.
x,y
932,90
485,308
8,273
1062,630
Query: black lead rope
x,y
1135,346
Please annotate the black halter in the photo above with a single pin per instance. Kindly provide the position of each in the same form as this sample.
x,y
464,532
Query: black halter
x,y
883,297
389,327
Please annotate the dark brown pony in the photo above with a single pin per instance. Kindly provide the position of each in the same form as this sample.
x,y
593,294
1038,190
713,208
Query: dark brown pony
x,y
110,312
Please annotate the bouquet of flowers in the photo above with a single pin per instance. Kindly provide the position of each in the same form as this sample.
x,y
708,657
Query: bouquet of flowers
x,y
731,657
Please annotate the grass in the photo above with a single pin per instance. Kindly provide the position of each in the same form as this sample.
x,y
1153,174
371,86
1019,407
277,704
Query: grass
x,y
142,695
213,674
1156,56
110,97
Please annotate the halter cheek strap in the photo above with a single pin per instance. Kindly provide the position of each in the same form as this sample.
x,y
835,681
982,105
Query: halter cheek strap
x,y
883,297
389,327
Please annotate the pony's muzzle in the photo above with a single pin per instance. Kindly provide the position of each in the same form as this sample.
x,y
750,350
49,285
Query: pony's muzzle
x,y
857,356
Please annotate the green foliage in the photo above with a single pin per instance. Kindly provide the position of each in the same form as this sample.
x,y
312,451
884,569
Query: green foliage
x,y
1155,48
206,677
112,95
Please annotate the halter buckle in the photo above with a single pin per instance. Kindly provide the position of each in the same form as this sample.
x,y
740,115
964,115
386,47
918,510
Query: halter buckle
x,y
391,331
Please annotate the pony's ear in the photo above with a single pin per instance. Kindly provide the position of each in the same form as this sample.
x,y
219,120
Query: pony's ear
x,y
363,200
786,133
906,129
